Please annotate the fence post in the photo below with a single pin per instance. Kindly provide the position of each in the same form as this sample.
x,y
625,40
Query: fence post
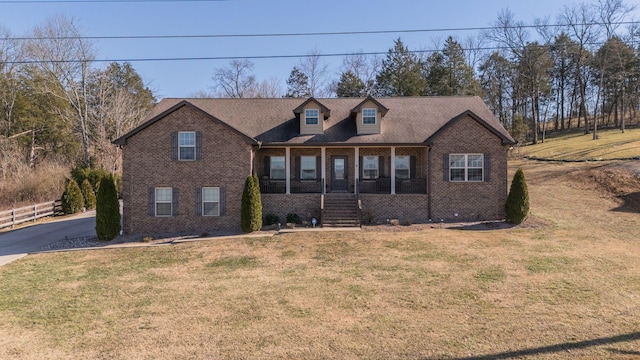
x,y
13,217
35,212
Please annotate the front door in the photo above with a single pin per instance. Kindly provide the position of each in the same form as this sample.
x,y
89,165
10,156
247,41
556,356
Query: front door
x,y
339,181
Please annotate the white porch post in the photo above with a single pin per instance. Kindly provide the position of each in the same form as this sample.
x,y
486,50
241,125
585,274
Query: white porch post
x,y
287,169
323,168
393,170
356,163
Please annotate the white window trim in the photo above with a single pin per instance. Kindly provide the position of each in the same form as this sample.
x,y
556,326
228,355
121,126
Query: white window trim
x,y
213,202
375,116
271,167
156,201
317,117
315,174
364,168
467,167
180,147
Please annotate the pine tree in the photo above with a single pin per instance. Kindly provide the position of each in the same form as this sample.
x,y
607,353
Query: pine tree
x,y
401,73
350,85
298,84
256,206
517,207
107,210
72,200
88,194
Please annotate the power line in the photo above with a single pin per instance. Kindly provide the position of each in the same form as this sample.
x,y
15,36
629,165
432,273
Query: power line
x,y
333,33
97,1
251,57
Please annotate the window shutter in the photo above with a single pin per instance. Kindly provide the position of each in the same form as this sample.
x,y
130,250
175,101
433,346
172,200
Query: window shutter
x,y
267,166
487,167
360,167
298,170
174,146
381,166
198,145
318,167
151,205
412,167
445,167
198,201
223,201
174,200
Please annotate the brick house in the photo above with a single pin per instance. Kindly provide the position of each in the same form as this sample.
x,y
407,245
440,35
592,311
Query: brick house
x,y
340,160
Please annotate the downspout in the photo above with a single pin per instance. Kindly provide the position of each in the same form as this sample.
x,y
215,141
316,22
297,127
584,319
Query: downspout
x,y
429,168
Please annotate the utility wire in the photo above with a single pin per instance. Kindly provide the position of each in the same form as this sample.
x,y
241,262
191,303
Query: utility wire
x,y
334,33
250,57
98,1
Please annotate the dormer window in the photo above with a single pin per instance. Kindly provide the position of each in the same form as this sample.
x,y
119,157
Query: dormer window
x,y
311,116
369,116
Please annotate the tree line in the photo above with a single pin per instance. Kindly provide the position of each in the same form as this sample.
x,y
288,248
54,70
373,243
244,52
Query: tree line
x,y
582,71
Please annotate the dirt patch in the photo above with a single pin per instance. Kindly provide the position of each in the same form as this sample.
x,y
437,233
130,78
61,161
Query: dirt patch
x,y
617,180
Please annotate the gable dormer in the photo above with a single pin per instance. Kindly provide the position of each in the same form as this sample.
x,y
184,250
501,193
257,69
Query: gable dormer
x,y
312,115
368,115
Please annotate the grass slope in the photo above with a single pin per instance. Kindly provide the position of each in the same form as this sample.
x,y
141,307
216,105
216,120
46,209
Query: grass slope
x,y
611,144
566,283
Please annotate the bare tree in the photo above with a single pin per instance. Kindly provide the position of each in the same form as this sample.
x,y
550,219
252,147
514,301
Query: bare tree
x,y
63,54
580,25
269,88
10,54
364,67
316,72
236,80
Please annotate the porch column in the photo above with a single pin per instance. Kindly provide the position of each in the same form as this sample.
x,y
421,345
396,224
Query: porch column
x,y
323,169
393,170
356,166
287,169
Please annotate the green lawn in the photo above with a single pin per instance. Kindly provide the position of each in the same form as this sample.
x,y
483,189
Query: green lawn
x,y
566,284
611,144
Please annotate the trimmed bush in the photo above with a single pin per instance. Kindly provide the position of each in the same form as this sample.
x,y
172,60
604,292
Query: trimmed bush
x,y
271,219
256,205
88,195
293,218
251,210
107,210
517,207
72,199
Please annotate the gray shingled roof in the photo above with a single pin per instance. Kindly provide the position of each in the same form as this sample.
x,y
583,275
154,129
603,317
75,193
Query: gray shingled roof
x,y
410,120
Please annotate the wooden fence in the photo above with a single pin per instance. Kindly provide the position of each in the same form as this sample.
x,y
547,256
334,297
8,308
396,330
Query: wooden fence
x,y
29,213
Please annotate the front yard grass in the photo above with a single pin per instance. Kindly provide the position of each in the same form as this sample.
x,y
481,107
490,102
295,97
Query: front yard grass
x,y
565,284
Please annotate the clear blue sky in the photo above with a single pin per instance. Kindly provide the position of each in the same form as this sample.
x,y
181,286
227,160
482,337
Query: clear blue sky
x,y
182,78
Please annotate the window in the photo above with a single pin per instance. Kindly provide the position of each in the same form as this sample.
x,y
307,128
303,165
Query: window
x,y
402,167
466,167
369,116
311,116
210,201
277,168
308,168
370,167
187,145
164,201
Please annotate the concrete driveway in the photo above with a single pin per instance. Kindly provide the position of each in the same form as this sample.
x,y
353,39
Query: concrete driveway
x,y
15,244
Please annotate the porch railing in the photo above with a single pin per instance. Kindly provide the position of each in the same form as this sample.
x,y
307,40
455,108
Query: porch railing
x,y
378,186
383,186
268,186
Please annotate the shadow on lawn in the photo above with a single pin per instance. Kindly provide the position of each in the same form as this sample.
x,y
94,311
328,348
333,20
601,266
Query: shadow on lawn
x,y
631,203
564,347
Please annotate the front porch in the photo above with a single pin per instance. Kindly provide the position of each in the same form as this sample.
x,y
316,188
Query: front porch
x,y
368,170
